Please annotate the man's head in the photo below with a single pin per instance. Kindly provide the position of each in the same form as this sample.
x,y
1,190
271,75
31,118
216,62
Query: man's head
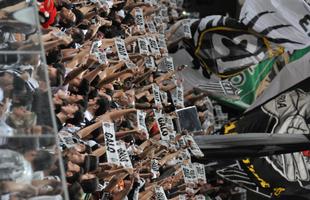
x,y
89,183
99,105
19,111
73,98
56,74
67,18
78,116
74,156
76,34
70,110
40,160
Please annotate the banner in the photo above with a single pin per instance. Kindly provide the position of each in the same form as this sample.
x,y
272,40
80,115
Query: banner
x,y
155,168
292,74
156,93
189,174
121,49
154,46
284,22
165,134
291,112
194,148
143,46
166,64
162,43
226,47
160,193
200,171
151,26
139,19
124,158
262,82
188,119
141,121
110,142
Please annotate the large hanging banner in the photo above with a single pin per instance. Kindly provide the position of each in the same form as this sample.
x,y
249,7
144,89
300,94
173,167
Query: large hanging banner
x,y
285,174
267,79
285,22
225,46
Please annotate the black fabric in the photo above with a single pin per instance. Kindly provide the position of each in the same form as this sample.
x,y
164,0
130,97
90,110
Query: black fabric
x,y
59,124
264,171
254,122
7,3
40,105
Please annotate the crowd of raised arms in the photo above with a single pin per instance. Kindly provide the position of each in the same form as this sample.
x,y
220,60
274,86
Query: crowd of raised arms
x,y
115,91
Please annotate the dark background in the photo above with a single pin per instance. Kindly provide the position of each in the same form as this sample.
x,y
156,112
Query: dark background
x,y
213,7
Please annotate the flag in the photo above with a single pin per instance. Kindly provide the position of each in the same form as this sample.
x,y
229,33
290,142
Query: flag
x,y
285,22
284,174
226,47
294,73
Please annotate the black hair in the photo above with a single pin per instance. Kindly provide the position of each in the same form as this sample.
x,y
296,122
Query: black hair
x,y
128,20
78,37
95,82
60,75
25,58
109,92
83,102
119,6
104,106
112,31
57,108
90,185
42,161
79,15
201,108
74,191
22,144
55,172
74,178
127,85
78,117
91,163
53,56
84,26
19,84
22,98
66,4
65,161
103,13
92,94
68,24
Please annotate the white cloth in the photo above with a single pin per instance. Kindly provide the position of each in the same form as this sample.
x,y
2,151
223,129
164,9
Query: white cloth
x,y
88,115
121,13
1,95
294,15
55,197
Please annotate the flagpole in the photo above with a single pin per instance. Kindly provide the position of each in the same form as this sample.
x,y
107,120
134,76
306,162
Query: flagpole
x,y
250,145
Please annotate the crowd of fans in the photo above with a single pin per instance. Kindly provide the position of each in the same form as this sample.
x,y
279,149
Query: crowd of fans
x,y
115,93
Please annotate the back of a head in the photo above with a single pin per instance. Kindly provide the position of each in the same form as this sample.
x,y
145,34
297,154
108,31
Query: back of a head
x,y
104,106
42,161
